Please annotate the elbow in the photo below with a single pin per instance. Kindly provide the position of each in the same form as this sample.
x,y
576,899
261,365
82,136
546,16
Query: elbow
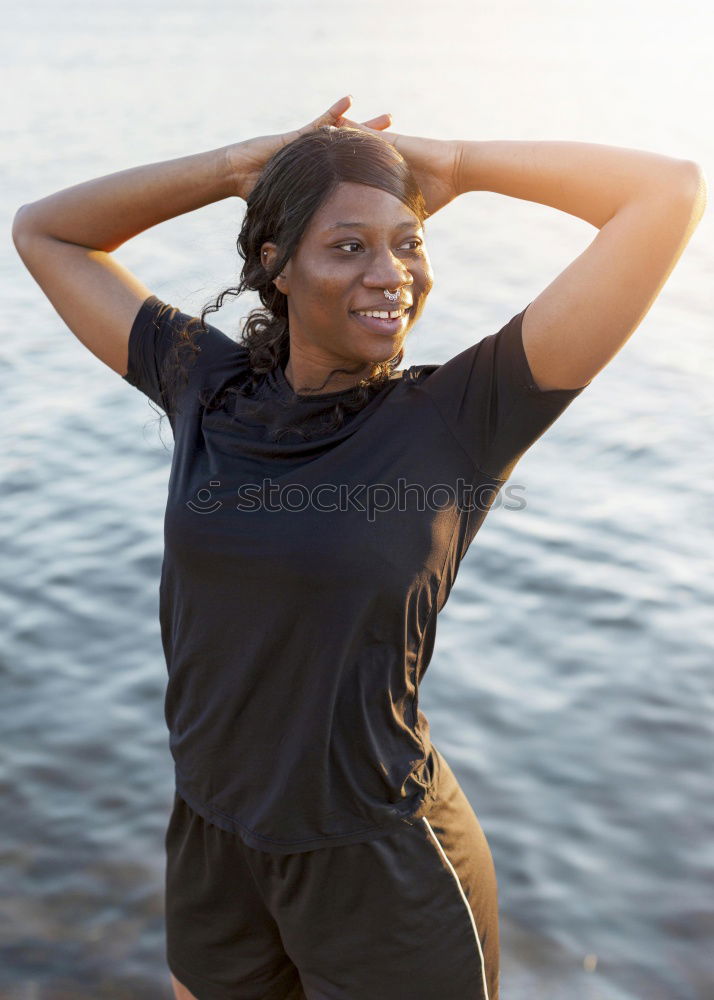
x,y
24,230
19,225
695,185
701,194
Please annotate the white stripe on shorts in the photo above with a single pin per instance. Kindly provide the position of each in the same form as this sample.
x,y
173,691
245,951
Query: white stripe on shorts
x,y
466,903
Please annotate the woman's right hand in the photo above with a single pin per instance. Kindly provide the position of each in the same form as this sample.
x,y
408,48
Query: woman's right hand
x,y
247,159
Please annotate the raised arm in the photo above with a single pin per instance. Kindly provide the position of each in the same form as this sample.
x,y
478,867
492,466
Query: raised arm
x,y
645,206
66,239
66,242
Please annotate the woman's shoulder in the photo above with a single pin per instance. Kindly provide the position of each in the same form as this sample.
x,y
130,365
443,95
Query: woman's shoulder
x,y
165,340
216,348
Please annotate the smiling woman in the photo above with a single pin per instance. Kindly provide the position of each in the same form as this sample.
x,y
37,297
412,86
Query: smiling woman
x,y
314,821
326,283
319,276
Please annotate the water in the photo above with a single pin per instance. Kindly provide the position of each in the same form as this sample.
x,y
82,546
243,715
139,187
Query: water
x,y
571,686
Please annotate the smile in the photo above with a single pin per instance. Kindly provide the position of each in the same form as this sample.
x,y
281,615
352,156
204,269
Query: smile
x,y
381,314
382,321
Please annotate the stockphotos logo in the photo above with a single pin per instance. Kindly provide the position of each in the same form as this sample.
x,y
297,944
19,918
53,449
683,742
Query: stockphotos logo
x,y
368,498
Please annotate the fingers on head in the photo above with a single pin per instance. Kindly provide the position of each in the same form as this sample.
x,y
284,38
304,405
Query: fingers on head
x,y
350,124
339,106
382,122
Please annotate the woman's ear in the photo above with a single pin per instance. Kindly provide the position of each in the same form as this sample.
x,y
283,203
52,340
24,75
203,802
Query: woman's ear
x,y
268,253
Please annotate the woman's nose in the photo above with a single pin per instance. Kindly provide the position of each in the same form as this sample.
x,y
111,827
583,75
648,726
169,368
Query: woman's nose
x,y
387,271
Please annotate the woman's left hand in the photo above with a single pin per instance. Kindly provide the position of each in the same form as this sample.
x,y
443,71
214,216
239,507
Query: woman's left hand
x,y
434,163
248,158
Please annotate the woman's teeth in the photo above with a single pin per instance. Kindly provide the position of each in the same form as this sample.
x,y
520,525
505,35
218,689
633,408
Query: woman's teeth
x,y
382,315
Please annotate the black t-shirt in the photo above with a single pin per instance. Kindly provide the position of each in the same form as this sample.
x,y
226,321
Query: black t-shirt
x,y
302,578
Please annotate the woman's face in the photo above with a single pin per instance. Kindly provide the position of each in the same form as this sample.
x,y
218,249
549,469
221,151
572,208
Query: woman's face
x,y
359,242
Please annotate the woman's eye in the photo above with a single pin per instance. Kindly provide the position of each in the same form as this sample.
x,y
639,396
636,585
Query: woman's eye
x,y
417,244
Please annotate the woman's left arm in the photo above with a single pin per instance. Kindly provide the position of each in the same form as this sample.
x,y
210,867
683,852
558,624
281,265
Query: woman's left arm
x,y
645,206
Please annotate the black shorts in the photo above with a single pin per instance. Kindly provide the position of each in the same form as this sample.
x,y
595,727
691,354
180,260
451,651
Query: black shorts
x,y
412,914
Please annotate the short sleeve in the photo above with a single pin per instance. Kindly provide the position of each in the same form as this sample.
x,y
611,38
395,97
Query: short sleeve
x,y
154,348
487,397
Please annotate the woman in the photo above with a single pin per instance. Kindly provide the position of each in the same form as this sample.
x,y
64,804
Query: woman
x,y
320,501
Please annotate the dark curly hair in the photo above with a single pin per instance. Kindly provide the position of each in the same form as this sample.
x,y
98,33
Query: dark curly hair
x,y
293,185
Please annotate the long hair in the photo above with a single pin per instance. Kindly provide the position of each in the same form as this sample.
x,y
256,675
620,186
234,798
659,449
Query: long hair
x,y
293,185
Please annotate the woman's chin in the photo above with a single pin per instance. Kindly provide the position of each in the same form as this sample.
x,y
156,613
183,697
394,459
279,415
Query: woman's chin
x,y
380,348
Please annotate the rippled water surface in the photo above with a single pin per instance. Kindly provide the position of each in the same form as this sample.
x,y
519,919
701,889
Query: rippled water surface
x,y
571,687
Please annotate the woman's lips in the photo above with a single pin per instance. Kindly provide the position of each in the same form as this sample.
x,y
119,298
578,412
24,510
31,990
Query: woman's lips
x,y
377,325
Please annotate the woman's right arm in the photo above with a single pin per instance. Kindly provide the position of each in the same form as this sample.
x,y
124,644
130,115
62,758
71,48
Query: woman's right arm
x,y
66,240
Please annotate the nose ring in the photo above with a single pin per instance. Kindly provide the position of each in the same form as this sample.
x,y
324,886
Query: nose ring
x,y
392,296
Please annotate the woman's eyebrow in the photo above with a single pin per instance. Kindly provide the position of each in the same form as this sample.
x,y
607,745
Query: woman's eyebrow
x,y
363,225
